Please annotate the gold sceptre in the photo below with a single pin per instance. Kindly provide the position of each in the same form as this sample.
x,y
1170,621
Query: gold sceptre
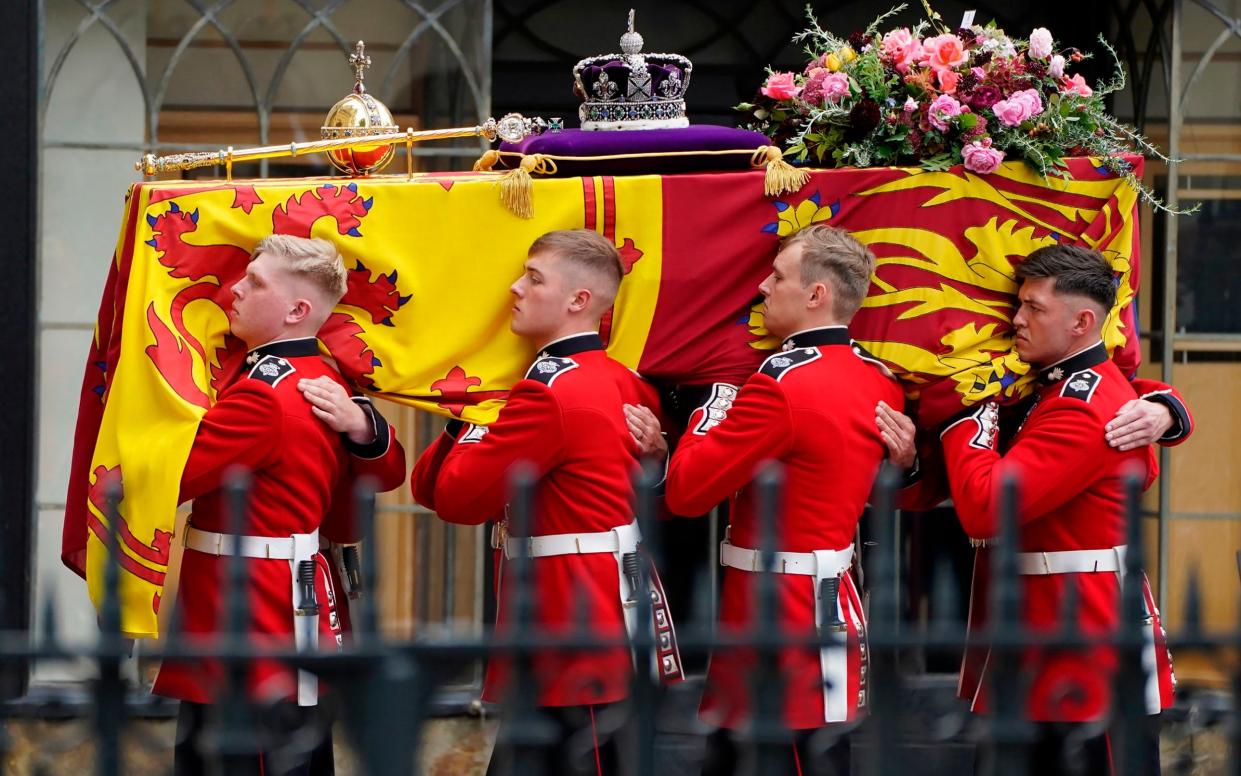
x,y
512,128
358,135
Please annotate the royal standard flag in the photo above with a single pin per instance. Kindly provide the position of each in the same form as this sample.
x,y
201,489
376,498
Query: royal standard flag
x,y
425,319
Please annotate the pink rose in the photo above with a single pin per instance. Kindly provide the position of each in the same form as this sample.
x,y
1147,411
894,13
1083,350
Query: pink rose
x,y
1032,100
911,105
948,80
781,86
1023,105
980,157
901,48
1056,68
835,86
979,73
1040,43
942,110
1010,112
1075,85
943,52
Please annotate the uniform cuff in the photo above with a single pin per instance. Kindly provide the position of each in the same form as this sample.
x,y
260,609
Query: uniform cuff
x,y
1180,416
377,447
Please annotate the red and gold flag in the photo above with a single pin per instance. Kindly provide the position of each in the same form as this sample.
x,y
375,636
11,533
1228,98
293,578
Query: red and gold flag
x,y
425,319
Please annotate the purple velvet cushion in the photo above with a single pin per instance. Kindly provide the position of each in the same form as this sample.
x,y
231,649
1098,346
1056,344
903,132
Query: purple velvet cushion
x,y
668,146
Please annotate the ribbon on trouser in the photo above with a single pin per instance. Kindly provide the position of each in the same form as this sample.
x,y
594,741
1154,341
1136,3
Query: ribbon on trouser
x,y
666,660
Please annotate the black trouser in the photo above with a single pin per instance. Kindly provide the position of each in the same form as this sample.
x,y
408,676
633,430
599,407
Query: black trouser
x,y
563,740
813,752
292,741
1081,749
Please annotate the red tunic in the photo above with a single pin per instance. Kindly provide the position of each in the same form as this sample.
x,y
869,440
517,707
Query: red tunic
x,y
812,408
565,419
1071,498
299,467
928,484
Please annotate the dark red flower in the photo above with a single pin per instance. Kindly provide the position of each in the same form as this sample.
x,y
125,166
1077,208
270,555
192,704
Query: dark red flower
x,y
863,119
857,40
984,97
966,35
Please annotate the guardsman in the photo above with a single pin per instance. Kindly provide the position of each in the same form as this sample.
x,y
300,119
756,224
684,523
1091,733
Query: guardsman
x,y
1070,510
811,407
566,420
299,464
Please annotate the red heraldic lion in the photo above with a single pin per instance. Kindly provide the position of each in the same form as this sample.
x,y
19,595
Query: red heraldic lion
x,y
301,481
812,408
1071,513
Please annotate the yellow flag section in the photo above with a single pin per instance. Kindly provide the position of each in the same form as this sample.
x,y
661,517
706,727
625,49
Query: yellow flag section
x,y
425,320
637,230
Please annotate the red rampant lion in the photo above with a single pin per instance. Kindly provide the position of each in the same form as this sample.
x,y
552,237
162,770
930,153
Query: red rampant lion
x,y
213,270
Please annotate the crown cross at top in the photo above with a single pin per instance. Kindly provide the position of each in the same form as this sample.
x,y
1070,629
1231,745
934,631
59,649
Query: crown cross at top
x,y
360,62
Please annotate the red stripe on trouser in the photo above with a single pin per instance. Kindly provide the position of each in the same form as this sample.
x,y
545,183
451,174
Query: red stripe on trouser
x,y
594,736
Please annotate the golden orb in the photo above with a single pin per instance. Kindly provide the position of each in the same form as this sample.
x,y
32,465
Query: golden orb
x,y
358,114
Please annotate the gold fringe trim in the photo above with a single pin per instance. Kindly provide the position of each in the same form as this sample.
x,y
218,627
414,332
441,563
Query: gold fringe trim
x,y
781,177
516,185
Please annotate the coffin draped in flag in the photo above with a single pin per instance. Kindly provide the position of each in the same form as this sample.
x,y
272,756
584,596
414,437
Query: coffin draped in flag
x,y
425,319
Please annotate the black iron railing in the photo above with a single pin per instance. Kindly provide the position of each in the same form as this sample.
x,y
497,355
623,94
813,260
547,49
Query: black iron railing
x,y
384,690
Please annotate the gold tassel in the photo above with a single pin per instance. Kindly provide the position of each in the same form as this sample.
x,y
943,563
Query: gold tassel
x,y
487,161
517,187
781,177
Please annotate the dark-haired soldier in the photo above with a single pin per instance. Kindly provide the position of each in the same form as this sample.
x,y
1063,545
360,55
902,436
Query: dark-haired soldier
x,y
1070,510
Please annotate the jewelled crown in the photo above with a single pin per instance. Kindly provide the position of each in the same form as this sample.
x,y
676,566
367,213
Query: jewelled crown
x,y
632,90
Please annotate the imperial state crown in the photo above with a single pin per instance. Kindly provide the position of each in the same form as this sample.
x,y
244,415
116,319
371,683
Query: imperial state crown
x,y
632,90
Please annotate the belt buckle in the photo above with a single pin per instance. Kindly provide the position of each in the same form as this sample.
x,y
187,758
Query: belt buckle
x,y
501,533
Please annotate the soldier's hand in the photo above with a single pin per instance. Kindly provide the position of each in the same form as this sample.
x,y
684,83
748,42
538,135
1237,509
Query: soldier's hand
x,y
898,432
644,427
331,403
1138,423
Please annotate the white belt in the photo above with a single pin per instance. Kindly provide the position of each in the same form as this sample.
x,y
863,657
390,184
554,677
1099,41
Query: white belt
x,y
618,542
620,539
270,547
294,549
820,564
1071,562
